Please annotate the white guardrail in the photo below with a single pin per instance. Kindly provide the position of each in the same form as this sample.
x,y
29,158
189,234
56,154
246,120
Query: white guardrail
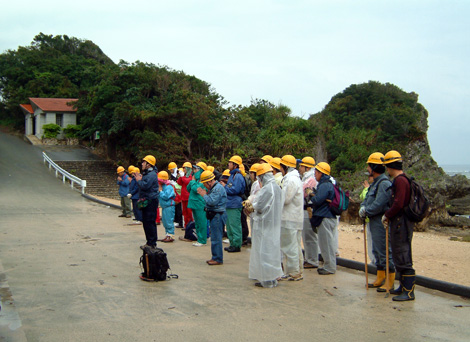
x,y
65,175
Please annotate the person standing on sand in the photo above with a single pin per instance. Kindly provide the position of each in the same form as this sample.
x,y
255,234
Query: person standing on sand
x,y
401,228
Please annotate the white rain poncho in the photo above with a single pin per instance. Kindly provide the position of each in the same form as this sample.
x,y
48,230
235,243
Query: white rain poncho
x,y
293,210
265,257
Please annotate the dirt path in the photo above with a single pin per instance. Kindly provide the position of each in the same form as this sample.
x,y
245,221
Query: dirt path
x,y
434,254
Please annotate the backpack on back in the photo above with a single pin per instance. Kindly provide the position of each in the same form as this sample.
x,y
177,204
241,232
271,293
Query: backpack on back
x,y
418,208
340,201
155,264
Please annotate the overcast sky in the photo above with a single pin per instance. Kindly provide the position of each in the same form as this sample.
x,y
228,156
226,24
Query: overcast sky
x,y
298,53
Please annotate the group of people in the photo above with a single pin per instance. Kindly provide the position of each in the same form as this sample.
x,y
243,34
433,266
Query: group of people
x,y
287,202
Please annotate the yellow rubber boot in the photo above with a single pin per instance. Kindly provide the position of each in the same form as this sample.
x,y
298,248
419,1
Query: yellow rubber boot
x,y
390,280
380,279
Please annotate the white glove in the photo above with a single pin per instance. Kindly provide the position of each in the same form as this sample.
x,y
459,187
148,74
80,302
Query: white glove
x,y
385,221
129,195
362,212
172,182
181,173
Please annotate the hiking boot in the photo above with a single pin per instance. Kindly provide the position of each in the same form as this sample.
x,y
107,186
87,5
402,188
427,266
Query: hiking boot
x,y
233,249
122,215
322,271
408,286
309,265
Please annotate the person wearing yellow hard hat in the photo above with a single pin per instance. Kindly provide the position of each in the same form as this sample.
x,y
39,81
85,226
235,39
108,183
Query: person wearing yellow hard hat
x,y
123,181
174,174
276,165
148,199
309,236
400,226
196,203
166,198
265,252
291,219
265,159
183,181
235,189
215,198
323,220
243,218
373,207
134,196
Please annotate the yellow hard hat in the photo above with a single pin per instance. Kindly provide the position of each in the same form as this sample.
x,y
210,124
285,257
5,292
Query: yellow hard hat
x,y
135,170
237,160
150,159
276,163
308,162
163,175
263,168
323,168
392,156
120,169
376,158
207,176
267,158
210,168
226,173
130,168
172,166
202,165
289,160
187,164
254,168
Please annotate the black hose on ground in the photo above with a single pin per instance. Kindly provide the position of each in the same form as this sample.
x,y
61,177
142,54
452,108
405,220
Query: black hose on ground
x,y
94,199
430,283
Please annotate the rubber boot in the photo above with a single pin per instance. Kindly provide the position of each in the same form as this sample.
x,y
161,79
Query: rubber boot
x,y
408,289
399,290
390,281
380,279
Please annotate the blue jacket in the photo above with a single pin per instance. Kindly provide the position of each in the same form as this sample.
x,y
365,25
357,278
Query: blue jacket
x,y
234,188
124,185
134,189
148,185
325,190
166,196
216,198
378,197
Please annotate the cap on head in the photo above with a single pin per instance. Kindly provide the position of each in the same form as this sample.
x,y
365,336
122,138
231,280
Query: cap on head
x,y
202,165
276,163
323,168
120,169
150,159
308,162
254,168
236,159
172,166
376,158
289,161
163,175
267,158
263,168
207,176
392,156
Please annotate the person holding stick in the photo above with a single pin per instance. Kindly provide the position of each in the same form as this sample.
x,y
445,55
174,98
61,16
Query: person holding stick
x,y
374,206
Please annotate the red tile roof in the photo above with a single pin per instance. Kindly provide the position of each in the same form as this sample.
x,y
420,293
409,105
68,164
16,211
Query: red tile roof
x,y
53,105
28,108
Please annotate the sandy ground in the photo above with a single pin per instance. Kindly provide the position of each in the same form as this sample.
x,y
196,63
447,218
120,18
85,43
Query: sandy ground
x,y
434,254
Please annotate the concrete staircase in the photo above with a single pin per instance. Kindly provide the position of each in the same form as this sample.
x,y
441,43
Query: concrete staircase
x,y
100,176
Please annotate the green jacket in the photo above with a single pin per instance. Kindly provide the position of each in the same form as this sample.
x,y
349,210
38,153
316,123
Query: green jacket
x,y
195,201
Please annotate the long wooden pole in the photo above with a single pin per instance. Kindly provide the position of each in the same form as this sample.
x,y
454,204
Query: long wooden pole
x,y
365,255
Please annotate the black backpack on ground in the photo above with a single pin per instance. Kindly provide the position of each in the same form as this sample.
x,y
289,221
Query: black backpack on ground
x,y
155,265
418,208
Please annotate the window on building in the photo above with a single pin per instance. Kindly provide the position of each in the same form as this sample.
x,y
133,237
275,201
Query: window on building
x,y
59,119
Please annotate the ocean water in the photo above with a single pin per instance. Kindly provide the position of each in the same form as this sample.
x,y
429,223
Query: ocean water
x,y
457,170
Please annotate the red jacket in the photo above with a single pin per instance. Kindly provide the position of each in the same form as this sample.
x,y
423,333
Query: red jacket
x,y
184,181
401,192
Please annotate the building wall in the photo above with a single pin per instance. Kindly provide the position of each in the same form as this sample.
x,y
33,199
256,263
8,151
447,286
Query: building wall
x,y
50,117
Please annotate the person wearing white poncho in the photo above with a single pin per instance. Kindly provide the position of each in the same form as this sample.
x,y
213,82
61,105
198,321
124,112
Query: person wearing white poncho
x,y
265,254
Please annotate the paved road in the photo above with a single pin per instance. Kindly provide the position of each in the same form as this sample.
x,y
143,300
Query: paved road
x,y
72,265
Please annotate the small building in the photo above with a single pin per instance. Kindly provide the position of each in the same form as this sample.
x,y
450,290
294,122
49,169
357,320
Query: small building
x,y
42,111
